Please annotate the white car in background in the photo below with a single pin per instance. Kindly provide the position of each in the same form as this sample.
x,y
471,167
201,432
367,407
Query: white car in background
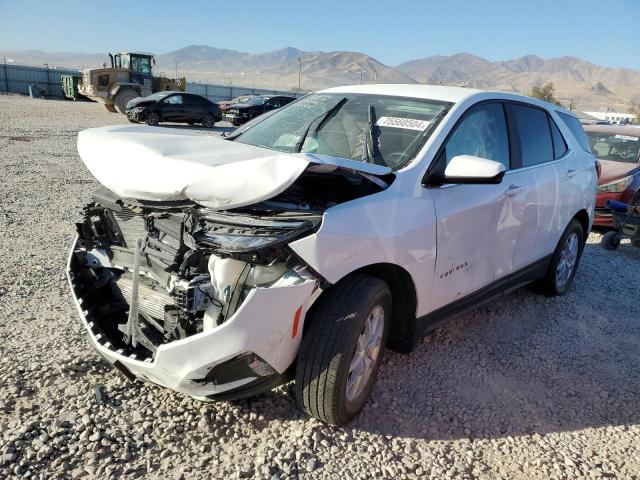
x,y
301,246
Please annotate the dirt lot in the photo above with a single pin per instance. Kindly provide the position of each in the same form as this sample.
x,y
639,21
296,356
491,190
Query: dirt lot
x,y
528,388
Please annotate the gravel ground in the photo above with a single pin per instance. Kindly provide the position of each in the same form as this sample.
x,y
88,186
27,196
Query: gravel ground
x,y
528,388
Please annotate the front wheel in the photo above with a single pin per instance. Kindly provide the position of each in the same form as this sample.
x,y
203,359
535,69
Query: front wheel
x,y
564,261
342,349
153,119
122,98
208,121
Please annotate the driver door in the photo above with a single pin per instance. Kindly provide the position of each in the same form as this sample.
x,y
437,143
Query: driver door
x,y
477,224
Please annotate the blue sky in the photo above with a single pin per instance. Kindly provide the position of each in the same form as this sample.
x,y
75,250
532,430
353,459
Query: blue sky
x,y
603,32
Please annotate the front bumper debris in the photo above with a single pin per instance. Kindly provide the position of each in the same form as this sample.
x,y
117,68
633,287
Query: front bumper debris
x,y
261,328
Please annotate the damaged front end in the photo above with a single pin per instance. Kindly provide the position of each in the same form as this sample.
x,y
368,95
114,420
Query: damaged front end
x,y
207,302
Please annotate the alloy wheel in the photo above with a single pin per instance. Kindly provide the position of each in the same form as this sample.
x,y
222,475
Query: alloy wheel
x,y
366,355
567,261
153,119
208,121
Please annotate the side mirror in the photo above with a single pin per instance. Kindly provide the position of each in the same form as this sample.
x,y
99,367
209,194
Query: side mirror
x,y
470,169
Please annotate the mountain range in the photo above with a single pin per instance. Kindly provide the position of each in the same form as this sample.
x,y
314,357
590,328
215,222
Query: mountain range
x,y
582,84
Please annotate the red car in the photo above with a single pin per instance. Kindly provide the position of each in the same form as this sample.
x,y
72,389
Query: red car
x,y
617,148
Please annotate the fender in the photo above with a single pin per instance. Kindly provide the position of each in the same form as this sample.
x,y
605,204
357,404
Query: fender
x,y
114,90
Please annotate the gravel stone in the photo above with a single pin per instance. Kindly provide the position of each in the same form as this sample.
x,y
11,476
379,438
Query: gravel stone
x,y
527,387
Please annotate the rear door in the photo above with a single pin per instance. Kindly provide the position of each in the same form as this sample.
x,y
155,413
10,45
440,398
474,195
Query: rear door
x,y
478,225
193,108
173,108
542,150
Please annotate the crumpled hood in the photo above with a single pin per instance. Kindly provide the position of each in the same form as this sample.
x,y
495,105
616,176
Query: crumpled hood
x,y
164,164
139,102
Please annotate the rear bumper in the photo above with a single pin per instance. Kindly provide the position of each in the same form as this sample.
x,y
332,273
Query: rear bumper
x,y
206,365
602,218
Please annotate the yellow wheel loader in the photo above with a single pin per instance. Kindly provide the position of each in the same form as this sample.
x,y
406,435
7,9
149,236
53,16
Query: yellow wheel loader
x,y
129,76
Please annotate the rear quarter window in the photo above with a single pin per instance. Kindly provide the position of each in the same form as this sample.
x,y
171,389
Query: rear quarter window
x,y
575,126
559,145
535,135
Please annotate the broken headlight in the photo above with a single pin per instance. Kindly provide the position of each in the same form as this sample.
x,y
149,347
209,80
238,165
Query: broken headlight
x,y
237,233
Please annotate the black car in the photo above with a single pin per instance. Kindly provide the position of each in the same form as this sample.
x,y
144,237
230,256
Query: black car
x,y
173,107
240,113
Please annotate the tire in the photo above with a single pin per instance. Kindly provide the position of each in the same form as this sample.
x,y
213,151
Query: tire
x,y
610,240
554,283
153,119
208,121
324,386
122,98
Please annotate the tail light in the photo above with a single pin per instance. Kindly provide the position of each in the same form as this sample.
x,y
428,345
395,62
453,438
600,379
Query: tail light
x,y
598,168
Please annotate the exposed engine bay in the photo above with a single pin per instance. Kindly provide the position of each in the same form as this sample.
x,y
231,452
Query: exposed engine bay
x,y
151,273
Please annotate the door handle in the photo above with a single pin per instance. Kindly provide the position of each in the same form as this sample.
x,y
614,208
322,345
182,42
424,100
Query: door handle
x,y
571,173
514,190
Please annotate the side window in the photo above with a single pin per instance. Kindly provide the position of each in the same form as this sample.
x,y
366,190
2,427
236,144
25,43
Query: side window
x,y
559,144
274,103
191,100
574,125
534,134
482,133
174,100
145,65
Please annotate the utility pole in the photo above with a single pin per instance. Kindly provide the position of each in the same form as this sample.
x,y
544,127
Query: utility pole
x,y
361,72
48,79
6,73
442,75
299,74
176,70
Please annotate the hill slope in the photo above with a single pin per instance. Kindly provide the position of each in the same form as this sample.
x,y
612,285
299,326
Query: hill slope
x,y
588,86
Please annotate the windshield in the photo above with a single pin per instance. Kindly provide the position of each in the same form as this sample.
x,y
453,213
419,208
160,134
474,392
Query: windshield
x,y
402,127
254,100
242,99
615,147
158,96
141,65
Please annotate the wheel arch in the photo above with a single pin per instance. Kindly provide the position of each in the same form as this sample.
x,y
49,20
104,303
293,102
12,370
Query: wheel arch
x,y
133,86
583,218
402,338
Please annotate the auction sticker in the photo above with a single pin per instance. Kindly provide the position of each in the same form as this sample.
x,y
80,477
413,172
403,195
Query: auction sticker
x,y
627,137
406,123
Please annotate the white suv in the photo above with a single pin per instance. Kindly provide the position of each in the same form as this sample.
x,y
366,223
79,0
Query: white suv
x,y
309,240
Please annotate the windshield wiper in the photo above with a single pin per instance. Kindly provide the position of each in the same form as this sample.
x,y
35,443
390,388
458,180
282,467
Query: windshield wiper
x,y
371,138
324,118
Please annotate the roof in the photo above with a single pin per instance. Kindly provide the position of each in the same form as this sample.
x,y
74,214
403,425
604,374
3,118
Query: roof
x,y
268,95
430,92
441,93
613,129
